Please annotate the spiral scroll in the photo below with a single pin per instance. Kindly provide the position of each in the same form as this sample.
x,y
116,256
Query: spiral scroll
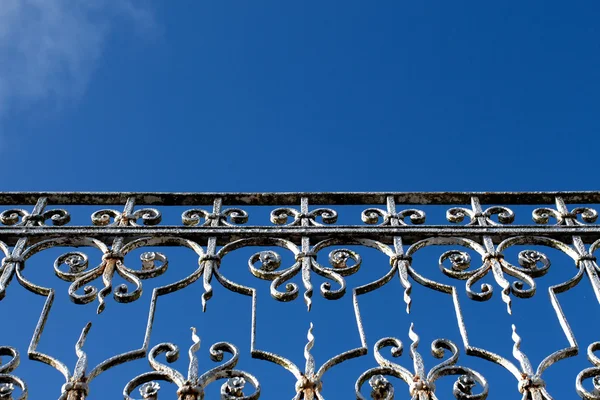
x,y
107,217
153,264
543,215
421,385
590,373
228,217
8,382
458,214
372,216
20,217
193,386
281,216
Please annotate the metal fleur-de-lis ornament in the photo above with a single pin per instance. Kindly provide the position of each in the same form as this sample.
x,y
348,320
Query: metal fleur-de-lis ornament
x,y
371,216
227,217
531,264
493,258
153,264
478,216
421,384
344,262
128,217
219,217
192,387
394,218
112,260
280,216
563,216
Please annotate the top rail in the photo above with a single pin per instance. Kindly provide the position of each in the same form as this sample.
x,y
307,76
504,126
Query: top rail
x,y
316,198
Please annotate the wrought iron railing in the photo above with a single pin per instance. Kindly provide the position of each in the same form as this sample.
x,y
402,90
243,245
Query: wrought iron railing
x,y
305,225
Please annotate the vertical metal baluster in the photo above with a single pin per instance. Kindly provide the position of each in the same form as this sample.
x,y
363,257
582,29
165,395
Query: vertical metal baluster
x,y
492,256
306,261
111,259
402,264
211,251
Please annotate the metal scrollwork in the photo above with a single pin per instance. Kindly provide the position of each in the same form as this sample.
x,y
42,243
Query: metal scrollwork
x,y
192,386
532,264
371,216
458,214
590,373
8,382
588,215
343,262
460,261
20,217
13,217
281,216
153,264
76,262
227,217
421,384
149,217
305,245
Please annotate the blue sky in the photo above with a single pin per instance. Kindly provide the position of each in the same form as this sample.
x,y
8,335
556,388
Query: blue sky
x,y
213,95
299,96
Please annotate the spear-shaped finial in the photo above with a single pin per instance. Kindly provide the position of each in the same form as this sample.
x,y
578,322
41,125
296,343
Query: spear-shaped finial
x,y
81,365
518,354
417,359
193,367
310,361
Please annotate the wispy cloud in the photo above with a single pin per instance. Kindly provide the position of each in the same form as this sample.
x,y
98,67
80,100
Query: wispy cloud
x,y
49,48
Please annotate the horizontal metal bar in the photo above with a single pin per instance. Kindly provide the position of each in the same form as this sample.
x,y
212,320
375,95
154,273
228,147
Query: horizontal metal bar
x,y
333,198
409,234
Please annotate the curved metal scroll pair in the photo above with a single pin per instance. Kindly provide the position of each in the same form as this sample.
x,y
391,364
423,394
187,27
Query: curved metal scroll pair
x,y
153,264
531,264
8,381
588,215
280,216
227,217
20,217
372,216
149,217
78,381
458,214
344,262
76,262
421,384
309,381
193,387
531,384
590,373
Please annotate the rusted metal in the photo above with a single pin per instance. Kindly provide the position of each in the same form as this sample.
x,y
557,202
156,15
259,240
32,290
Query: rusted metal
x,y
306,226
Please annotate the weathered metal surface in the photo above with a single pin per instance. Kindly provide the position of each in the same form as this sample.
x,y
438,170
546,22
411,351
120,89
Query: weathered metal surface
x,y
217,224
274,199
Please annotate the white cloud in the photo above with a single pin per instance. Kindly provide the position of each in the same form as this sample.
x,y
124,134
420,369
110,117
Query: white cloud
x,y
50,48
